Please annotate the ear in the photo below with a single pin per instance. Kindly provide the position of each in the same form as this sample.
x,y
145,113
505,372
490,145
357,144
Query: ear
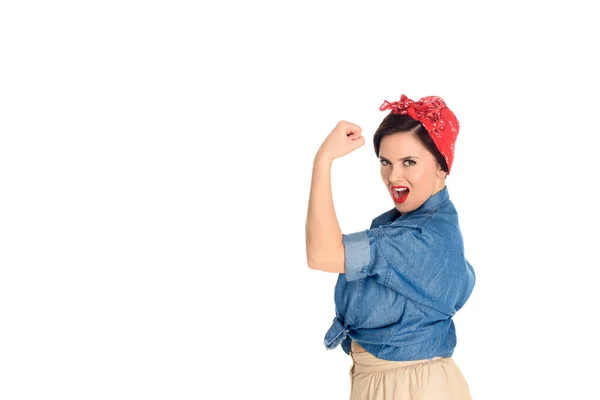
x,y
440,173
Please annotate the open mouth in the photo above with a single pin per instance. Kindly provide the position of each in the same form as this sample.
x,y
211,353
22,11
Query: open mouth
x,y
399,193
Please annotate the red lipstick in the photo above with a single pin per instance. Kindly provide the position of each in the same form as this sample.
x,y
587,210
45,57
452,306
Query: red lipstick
x,y
399,193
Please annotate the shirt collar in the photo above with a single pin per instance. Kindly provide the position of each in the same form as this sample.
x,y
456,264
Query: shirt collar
x,y
432,202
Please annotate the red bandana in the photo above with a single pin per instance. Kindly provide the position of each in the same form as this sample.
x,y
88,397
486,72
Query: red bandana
x,y
436,117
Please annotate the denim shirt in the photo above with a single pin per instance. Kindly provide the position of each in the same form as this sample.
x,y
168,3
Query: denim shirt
x,y
405,278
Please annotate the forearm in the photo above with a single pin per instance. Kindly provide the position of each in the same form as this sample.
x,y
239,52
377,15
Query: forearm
x,y
324,247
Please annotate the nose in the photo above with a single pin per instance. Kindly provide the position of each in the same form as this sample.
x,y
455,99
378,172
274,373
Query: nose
x,y
396,176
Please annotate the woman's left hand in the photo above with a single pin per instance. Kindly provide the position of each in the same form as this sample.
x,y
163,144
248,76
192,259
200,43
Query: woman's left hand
x,y
343,139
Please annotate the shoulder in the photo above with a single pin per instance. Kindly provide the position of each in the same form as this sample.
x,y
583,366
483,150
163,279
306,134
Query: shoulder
x,y
385,218
435,223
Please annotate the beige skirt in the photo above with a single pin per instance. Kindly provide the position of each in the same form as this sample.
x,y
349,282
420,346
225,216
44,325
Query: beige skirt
x,y
438,378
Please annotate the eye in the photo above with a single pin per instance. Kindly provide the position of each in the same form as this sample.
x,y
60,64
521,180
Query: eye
x,y
408,163
384,162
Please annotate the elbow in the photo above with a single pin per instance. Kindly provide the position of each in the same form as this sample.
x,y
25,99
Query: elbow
x,y
313,259
333,262
330,260
311,264
318,265
324,255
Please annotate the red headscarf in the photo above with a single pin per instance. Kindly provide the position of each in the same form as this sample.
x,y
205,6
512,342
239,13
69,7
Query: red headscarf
x,y
436,117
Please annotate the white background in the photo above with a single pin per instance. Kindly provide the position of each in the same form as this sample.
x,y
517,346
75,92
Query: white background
x,y
155,165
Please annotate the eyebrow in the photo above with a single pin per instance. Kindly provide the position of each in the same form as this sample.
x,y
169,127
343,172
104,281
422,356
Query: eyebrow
x,y
400,159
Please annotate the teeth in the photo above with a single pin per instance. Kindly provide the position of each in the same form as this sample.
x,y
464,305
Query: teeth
x,y
400,190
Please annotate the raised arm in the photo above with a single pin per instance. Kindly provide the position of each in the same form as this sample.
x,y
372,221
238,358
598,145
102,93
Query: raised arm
x,y
324,246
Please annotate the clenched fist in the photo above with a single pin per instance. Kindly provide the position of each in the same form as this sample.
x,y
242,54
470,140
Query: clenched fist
x,y
343,139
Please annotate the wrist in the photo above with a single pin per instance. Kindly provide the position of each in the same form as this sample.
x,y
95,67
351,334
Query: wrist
x,y
323,158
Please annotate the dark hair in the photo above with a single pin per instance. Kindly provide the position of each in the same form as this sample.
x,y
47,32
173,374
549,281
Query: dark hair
x,y
396,123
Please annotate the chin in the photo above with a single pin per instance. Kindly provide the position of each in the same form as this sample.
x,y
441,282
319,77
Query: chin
x,y
407,206
403,208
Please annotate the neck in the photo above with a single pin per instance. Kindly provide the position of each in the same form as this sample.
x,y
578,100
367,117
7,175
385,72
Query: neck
x,y
440,185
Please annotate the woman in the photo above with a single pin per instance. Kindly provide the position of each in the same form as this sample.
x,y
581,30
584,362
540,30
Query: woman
x,y
402,280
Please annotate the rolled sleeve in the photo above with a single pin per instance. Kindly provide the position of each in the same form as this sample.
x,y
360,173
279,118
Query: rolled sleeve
x,y
357,252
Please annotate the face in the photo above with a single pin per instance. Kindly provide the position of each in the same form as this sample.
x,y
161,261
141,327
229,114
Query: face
x,y
408,166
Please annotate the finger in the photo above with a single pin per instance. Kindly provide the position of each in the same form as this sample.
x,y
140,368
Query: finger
x,y
357,143
350,128
355,136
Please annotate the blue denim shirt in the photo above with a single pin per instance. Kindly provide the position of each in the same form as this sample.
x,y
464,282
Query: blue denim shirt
x,y
405,278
